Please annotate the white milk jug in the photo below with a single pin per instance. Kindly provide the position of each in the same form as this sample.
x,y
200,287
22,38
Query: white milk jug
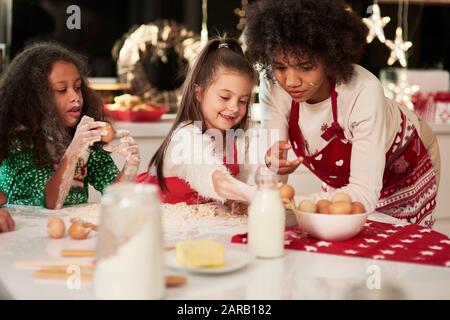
x,y
266,218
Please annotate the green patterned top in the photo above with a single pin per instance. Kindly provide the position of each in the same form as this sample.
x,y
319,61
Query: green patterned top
x,y
23,181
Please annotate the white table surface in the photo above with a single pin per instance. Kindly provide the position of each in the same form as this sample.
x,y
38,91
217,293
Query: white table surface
x,y
297,275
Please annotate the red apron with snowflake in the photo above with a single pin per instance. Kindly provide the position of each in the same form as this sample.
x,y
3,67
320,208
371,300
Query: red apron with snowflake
x,y
179,190
409,183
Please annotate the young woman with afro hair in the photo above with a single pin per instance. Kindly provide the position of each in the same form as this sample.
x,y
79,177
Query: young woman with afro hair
x,y
333,112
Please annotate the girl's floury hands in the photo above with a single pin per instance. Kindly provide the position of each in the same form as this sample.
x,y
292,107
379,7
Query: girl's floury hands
x,y
238,208
127,147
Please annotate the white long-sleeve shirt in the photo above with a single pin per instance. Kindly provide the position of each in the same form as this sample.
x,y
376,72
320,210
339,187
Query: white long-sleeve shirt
x,y
194,156
369,119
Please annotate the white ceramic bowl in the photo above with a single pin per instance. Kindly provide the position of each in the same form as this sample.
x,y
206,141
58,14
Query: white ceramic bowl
x,y
331,227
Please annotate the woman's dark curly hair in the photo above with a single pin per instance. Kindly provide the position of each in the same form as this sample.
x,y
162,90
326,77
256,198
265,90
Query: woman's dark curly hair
x,y
27,107
324,29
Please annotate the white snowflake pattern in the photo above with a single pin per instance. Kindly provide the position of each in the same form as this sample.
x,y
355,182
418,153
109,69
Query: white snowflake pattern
x,y
427,253
378,257
394,246
389,252
435,247
371,241
382,235
362,245
310,249
445,116
416,236
425,230
445,241
407,241
292,234
391,231
351,252
323,244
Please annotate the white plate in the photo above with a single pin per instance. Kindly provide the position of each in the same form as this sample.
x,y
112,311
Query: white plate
x,y
234,260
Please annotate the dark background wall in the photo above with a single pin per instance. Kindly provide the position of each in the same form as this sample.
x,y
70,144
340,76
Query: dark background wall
x,y
103,22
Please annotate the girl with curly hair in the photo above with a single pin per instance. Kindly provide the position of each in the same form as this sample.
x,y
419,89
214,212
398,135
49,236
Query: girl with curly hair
x,y
333,112
51,124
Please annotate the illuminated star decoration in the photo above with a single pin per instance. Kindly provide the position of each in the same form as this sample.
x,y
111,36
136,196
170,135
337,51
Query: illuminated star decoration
x,y
241,13
398,48
376,23
403,91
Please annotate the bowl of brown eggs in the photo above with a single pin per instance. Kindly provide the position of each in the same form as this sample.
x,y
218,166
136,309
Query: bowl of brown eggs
x,y
337,219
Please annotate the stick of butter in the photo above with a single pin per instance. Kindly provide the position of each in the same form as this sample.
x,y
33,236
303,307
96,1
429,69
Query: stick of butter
x,y
200,253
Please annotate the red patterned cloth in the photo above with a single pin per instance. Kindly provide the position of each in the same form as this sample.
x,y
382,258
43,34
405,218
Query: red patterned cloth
x,y
381,241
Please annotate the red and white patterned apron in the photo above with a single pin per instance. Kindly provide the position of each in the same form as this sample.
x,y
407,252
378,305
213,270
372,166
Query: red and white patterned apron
x,y
179,190
409,182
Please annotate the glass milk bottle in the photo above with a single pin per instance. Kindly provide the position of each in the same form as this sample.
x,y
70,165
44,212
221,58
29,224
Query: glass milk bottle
x,y
266,217
130,262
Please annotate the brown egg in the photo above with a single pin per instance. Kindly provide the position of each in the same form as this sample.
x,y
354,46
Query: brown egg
x,y
307,206
323,205
340,207
358,207
323,209
286,191
341,196
110,133
55,227
78,231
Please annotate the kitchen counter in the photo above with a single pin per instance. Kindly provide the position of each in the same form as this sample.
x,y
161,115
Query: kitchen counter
x,y
297,275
